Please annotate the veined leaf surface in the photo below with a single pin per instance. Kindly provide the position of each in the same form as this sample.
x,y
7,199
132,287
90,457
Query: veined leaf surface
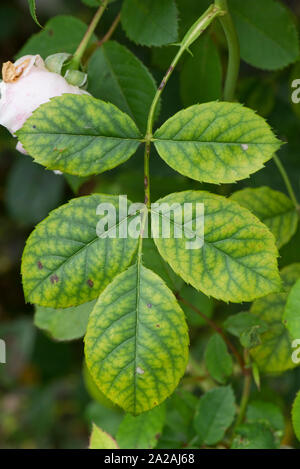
x,y
214,414
291,316
296,415
79,135
273,208
32,8
216,142
238,261
65,263
136,345
274,355
267,33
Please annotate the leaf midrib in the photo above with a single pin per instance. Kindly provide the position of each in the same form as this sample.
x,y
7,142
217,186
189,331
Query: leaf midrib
x,y
79,135
220,250
86,246
204,142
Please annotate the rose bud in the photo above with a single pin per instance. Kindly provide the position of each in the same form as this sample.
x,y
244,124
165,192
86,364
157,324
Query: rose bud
x,y
26,85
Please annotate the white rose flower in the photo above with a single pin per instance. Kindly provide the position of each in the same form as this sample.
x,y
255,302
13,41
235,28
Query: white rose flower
x,y
26,85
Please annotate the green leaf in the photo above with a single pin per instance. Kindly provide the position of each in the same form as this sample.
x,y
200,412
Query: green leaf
x,y
107,418
95,392
266,413
180,413
143,431
32,8
247,327
267,33
136,344
65,263
61,34
238,323
273,208
250,338
274,355
253,436
217,359
201,74
153,260
116,75
291,316
101,440
214,414
238,259
31,192
64,324
150,22
79,135
216,142
296,416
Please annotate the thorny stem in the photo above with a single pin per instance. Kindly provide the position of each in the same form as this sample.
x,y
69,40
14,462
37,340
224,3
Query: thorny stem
x,y
86,38
219,331
287,182
233,51
194,32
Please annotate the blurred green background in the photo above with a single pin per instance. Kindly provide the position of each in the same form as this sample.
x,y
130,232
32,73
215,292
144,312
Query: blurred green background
x,y
44,401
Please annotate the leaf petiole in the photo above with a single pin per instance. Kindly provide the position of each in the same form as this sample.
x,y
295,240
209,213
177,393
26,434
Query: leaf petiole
x,y
75,62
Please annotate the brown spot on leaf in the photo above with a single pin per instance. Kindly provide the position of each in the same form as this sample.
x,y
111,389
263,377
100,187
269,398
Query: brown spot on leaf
x,y
149,305
40,265
50,32
90,283
157,325
54,278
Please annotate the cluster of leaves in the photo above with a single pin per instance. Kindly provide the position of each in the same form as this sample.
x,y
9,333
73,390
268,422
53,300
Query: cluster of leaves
x,y
136,335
